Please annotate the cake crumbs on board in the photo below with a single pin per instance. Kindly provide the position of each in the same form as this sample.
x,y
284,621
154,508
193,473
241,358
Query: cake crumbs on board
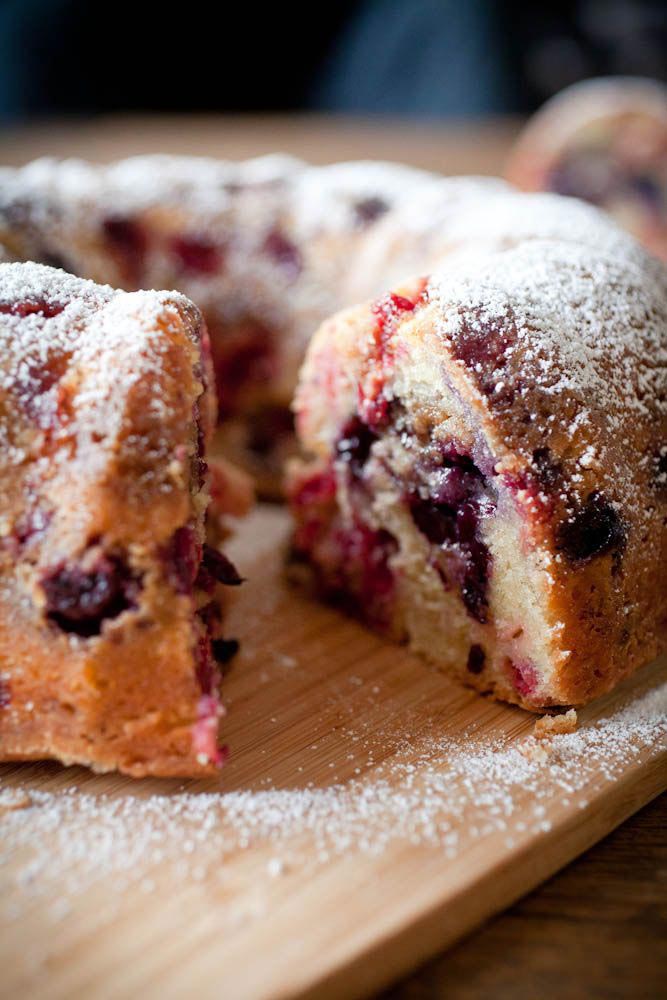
x,y
555,725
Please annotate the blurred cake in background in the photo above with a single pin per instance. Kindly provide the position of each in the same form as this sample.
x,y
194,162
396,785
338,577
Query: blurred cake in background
x,y
605,141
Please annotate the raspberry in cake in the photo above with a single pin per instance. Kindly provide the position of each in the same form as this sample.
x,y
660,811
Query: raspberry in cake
x,y
111,601
482,471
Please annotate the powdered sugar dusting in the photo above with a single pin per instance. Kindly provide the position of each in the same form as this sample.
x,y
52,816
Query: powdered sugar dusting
x,y
442,794
56,329
581,353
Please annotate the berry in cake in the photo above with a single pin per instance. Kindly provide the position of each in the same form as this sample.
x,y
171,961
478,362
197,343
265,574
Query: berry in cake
x,y
111,600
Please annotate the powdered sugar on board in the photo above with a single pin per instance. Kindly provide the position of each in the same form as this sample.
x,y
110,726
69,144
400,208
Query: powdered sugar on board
x,y
441,793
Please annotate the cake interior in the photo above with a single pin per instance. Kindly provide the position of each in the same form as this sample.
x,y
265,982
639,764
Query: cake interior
x,y
412,526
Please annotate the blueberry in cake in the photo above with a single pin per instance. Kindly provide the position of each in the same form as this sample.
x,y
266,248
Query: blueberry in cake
x,y
604,141
110,597
485,465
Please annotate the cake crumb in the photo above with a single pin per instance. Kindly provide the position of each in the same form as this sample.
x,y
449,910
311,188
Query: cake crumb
x,y
534,751
555,725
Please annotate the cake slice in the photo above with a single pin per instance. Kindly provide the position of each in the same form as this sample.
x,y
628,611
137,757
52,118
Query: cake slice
x,y
485,467
110,598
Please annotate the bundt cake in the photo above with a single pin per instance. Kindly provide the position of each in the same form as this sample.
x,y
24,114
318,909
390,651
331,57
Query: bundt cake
x,y
605,141
485,456
485,446
109,595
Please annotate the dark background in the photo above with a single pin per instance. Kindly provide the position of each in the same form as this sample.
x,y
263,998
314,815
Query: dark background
x,y
424,58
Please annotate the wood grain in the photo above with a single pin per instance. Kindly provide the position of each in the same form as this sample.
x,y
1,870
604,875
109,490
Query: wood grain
x,y
598,928
313,698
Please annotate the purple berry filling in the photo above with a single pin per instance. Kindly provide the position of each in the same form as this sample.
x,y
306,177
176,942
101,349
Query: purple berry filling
x,y
355,443
594,529
79,601
476,659
450,519
5,694
285,253
206,669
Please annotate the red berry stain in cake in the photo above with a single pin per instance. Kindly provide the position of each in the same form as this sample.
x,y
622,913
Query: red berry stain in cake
x,y
450,519
369,210
206,669
283,252
594,529
483,344
32,308
537,485
197,255
476,659
182,558
244,356
317,489
210,614
205,731
364,570
5,694
199,467
524,678
79,600
373,404
313,501
129,240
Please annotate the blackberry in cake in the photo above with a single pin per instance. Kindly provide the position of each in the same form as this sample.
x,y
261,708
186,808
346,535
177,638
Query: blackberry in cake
x,y
604,141
111,601
484,463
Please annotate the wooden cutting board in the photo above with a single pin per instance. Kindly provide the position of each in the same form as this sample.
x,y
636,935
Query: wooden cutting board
x,y
371,812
